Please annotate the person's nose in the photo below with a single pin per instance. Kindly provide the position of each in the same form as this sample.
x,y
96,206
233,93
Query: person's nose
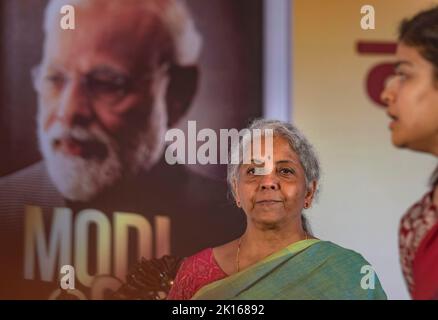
x,y
389,93
75,108
269,182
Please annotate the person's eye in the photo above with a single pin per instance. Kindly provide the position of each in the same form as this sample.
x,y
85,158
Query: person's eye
x,y
286,171
55,79
403,76
105,86
107,83
250,171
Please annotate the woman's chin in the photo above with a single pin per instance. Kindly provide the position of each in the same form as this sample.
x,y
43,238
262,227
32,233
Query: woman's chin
x,y
268,219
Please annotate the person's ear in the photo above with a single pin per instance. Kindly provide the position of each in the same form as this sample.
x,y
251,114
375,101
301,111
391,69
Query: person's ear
x,y
310,194
236,194
182,87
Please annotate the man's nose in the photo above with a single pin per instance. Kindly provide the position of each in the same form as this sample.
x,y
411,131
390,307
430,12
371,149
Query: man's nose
x,y
269,182
74,107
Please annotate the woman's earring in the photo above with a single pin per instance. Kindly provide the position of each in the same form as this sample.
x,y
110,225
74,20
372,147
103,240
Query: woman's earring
x,y
306,205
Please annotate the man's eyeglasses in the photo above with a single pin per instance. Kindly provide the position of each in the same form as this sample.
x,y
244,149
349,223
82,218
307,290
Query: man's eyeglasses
x,y
102,85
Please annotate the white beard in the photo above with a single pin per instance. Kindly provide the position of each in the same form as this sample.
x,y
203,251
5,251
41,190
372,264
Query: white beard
x,y
80,179
76,178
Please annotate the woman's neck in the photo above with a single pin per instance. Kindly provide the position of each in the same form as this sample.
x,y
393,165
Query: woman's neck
x,y
433,150
259,242
429,145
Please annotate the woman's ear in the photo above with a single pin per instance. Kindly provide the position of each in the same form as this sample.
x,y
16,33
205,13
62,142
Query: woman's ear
x,y
310,194
182,87
236,193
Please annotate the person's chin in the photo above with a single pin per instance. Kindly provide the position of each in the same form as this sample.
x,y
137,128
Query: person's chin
x,y
268,219
398,141
403,142
78,179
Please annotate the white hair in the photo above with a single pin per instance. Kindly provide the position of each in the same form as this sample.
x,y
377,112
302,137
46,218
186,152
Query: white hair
x,y
76,178
297,141
174,15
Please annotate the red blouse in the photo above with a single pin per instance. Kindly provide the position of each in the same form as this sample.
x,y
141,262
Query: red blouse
x,y
194,273
418,243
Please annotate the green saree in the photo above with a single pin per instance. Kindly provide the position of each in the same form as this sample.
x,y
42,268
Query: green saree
x,y
308,269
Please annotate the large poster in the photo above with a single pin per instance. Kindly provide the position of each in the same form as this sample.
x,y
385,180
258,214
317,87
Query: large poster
x,y
88,90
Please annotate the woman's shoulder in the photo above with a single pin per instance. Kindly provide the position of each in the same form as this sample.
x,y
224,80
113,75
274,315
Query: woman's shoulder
x,y
337,252
203,255
413,228
350,270
200,263
194,272
344,260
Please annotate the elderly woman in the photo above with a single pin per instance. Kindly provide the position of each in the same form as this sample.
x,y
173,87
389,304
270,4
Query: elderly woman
x,y
276,257
412,100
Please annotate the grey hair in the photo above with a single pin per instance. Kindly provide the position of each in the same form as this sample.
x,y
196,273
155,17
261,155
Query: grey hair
x,y
297,141
174,14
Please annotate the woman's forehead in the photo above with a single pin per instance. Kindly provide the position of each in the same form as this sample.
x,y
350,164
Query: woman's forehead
x,y
282,152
